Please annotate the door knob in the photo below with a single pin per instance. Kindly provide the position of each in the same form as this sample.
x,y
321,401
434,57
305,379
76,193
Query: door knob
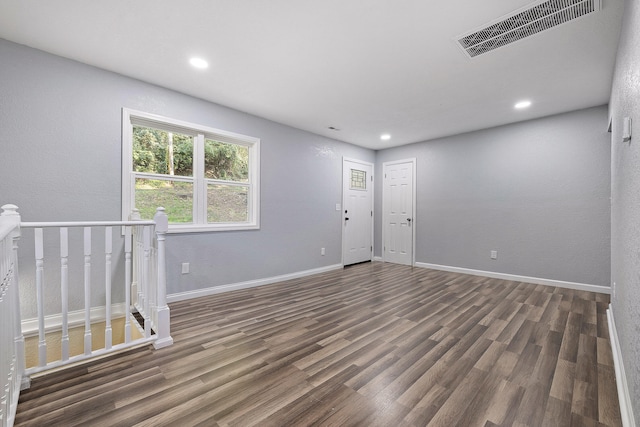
x,y
408,219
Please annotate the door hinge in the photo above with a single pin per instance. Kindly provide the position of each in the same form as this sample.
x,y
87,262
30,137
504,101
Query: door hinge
x,y
371,213
371,248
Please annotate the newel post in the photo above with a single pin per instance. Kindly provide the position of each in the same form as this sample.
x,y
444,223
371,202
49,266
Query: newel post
x,y
134,215
164,332
10,213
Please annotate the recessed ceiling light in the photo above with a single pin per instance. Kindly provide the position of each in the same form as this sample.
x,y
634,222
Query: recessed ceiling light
x,y
385,137
522,104
199,63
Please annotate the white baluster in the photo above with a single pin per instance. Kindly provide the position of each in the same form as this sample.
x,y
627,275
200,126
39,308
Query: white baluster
x,y
142,273
39,252
137,259
163,316
145,280
87,291
127,284
153,281
64,290
108,243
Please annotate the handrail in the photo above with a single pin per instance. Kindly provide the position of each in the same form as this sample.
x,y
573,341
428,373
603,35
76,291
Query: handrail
x,y
84,224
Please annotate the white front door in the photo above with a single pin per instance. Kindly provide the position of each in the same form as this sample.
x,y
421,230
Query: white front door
x,y
398,200
357,211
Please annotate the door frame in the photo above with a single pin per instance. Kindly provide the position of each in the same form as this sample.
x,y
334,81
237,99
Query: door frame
x,y
342,214
385,165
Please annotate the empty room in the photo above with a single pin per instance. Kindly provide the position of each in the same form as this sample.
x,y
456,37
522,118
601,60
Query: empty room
x,y
294,213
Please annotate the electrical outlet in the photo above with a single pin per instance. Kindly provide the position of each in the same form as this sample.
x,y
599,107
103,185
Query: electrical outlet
x,y
322,251
185,268
494,254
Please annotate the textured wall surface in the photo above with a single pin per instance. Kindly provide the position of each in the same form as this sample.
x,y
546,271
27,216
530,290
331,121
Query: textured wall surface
x,y
537,192
60,132
625,194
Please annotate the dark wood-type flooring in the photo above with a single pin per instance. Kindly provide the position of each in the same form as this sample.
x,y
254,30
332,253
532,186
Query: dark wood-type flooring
x,y
371,345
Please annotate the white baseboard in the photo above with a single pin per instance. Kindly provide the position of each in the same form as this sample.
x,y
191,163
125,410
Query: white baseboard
x,y
377,258
75,318
626,410
180,296
516,278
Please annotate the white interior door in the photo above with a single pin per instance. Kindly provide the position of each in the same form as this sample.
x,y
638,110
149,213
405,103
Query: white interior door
x,y
398,200
357,208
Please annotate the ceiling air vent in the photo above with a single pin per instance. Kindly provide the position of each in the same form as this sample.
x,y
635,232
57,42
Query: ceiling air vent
x,y
524,23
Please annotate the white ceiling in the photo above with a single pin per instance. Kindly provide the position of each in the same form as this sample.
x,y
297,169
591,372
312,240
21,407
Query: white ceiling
x,y
366,67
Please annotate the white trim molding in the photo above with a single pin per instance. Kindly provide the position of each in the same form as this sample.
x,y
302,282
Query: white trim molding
x,y
516,278
624,397
181,296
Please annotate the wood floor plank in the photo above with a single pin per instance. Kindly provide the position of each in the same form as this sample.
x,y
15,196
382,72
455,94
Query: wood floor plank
x,y
450,412
504,404
374,344
419,374
585,401
608,410
558,413
490,357
476,409
563,378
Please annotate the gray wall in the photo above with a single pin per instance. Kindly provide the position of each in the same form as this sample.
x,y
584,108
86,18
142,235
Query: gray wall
x,y
60,132
625,193
536,191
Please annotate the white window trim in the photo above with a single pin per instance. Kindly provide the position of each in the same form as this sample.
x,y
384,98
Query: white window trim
x,y
199,132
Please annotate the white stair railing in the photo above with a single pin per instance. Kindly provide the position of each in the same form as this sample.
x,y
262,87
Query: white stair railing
x,y
144,275
149,281
11,340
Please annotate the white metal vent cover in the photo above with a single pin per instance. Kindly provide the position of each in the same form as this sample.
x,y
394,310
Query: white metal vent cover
x,y
523,23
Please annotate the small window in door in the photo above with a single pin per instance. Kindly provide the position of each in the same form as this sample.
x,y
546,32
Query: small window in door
x,y
358,179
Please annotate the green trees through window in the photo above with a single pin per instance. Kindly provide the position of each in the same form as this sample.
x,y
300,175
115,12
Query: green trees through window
x,y
163,166
226,161
161,152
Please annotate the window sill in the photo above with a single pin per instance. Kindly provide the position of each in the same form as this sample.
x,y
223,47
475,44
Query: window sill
x,y
207,228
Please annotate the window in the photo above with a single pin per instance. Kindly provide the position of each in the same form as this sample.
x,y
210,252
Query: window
x,y
206,179
358,180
